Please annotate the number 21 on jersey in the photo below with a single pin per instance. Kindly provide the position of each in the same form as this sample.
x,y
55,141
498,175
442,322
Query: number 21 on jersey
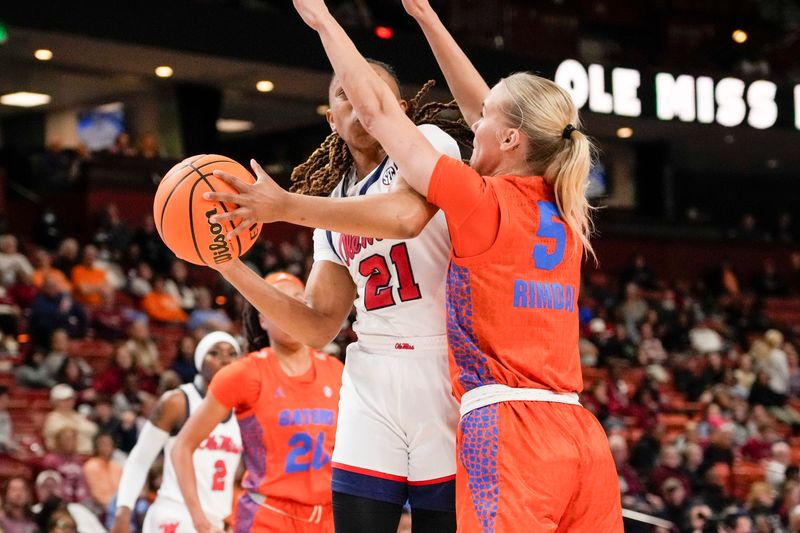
x,y
379,290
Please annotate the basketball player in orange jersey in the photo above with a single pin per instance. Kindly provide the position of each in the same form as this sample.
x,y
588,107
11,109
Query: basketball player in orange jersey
x,y
286,400
529,456
215,463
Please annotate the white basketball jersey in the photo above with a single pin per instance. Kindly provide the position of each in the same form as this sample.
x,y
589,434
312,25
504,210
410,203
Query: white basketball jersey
x,y
401,283
215,463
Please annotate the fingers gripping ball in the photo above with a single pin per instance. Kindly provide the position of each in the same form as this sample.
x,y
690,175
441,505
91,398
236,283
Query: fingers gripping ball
x,y
182,215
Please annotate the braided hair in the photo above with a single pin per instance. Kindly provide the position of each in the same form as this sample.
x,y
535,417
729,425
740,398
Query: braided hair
x,y
324,168
255,336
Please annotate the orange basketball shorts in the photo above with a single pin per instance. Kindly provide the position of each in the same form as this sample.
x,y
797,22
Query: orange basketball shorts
x,y
535,467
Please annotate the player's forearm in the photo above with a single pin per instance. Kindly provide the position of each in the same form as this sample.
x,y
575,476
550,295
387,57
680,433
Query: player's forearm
x,y
395,215
465,82
187,481
297,319
365,90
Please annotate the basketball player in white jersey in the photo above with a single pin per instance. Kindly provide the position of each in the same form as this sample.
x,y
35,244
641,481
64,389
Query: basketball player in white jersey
x,y
397,418
215,462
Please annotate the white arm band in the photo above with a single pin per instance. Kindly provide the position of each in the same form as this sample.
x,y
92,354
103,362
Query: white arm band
x,y
150,443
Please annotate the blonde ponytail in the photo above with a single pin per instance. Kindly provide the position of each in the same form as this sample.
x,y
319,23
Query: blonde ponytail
x,y
542,110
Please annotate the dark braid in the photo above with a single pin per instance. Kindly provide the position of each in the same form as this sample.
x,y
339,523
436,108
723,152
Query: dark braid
x,y
257,339
325,167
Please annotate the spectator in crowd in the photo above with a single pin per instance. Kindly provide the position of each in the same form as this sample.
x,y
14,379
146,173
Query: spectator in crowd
x,y
59,353
112,234
633,492
12,263
151,248
65,460
122,429
162,306
183,364
177,285
130,397
669,467
205,316
52,310
651,351
102,473
68,256
52,513
776,364
88,279
112,319
72,373
640,273
109,382
33,372
122,146
674,495
699,516
47,232
45,269
140,280
64,415
16,516
633,310
7,442
775,467
142,347
768,282
148,146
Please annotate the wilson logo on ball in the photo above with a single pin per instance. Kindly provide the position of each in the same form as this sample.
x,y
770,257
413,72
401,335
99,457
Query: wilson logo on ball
x,y
219,246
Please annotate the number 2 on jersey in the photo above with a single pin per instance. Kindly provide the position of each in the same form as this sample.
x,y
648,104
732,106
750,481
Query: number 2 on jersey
x,y
218,481
378,292
550,226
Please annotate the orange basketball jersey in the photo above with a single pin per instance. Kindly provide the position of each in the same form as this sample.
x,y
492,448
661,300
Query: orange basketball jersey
x,y
288,424
513,309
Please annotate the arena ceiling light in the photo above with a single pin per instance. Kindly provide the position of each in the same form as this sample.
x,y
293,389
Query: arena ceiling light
x,y
322,109
25,99
164,71
231,125
265,86
625,133
43,54
739,36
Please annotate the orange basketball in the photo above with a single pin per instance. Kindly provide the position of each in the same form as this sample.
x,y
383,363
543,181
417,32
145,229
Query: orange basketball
x,y
182,214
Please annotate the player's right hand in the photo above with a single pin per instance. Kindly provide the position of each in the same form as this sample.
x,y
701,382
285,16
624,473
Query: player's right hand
x,y
260,202
122,521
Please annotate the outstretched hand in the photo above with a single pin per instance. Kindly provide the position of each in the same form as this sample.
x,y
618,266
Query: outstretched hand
x,y
259,202
313,12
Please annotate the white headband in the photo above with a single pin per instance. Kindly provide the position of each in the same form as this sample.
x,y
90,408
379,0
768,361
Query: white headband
x,y
208,342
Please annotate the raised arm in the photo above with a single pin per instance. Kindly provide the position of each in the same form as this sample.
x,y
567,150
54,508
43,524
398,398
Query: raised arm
x,y
466,84
199,426
374,103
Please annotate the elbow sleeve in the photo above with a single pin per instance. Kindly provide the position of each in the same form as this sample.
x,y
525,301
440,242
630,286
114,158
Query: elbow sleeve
x,y
151,441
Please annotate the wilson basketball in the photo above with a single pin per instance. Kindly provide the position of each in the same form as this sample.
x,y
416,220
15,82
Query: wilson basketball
x,y
182,215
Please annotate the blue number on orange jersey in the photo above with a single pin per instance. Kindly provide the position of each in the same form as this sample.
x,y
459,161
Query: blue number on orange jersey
x,y
550,226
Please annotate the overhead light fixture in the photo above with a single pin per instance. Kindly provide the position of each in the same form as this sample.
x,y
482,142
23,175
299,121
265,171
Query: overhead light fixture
x,y
231,125
739,36
3,33
625,133
25,99
384,32
43,54
164,71
265,86
322,109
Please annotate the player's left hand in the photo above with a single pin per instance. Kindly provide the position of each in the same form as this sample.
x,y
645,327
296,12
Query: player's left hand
x,y
203,525
313,12
259,202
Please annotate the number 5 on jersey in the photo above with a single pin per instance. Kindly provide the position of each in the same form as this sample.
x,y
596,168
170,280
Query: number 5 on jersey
x,y
378,292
